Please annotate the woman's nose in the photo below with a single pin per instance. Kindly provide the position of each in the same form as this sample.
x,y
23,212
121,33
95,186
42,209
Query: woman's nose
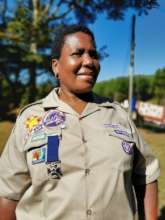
x,y
87,59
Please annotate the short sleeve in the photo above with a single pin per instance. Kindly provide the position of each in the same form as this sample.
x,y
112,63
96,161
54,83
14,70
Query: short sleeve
x,y
14,174
146,166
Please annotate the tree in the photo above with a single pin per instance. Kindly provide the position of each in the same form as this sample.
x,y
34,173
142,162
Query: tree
x,y
27,33
117,88
159,85
143,87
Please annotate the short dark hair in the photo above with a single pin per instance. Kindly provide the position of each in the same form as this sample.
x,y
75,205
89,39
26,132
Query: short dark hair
x,y
62,32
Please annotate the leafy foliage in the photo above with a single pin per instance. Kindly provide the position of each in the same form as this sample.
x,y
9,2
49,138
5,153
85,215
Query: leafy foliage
x,y
145,87
27,31
159,85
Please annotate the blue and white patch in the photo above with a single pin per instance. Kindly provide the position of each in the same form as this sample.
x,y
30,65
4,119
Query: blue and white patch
x,y
118,130
117,127
127,147
53,118
38,128
109,125
121,132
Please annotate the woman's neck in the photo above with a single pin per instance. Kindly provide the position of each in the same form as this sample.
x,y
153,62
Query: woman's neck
x,y
76,101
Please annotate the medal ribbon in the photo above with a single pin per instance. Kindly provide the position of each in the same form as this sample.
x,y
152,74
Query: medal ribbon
x,y
52,149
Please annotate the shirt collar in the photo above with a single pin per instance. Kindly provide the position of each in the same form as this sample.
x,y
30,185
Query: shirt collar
x,y
52,100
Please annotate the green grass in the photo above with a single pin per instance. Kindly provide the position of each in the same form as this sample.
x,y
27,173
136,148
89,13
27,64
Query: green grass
x,y
5,129
156,140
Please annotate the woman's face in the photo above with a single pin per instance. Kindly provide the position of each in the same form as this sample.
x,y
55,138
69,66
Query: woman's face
x,y
78,65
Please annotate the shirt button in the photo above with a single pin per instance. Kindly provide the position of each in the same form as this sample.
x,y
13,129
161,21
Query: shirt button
x,y
84,140
63,126
89,212
87,171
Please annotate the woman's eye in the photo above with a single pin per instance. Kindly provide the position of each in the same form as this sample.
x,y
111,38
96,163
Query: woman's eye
x,y
76,54
94,54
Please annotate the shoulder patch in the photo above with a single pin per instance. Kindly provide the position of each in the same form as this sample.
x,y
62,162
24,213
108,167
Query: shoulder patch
x,y
119,106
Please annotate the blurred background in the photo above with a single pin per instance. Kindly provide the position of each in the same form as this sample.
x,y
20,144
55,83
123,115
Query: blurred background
x,y
130,37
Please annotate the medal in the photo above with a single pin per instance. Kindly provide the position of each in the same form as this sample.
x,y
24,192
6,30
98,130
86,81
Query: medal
x,y
52,162
54,170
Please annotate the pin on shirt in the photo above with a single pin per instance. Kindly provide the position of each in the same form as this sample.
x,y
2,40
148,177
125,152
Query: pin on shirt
x,y
53,118
52,162
54,170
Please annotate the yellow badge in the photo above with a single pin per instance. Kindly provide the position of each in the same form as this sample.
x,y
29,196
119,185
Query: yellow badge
x,y
32,122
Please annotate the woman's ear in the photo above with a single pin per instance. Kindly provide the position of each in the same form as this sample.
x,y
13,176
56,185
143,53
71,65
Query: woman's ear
x,y
55,67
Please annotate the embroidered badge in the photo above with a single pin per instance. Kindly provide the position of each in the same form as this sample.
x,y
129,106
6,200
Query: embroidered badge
x,y
53,118
117,131
38,155
127,147
38,128
32,122
54,170
38,136
108,125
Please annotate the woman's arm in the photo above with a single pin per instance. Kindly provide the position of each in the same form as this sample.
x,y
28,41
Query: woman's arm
x,y
147,199
7,209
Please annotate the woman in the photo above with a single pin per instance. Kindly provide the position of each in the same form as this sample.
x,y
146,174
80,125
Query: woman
x,y
74,155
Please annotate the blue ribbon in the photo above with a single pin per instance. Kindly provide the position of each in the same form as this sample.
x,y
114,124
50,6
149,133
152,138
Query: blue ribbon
x,y
52,149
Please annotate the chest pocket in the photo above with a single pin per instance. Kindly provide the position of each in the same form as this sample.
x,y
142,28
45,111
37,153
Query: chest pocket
x,y
36,154
122,147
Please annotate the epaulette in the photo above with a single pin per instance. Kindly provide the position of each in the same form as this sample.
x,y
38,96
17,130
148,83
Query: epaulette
x,y
118,104
29,105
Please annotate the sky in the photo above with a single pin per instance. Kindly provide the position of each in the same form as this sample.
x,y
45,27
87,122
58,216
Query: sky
x,y
116,35
150,43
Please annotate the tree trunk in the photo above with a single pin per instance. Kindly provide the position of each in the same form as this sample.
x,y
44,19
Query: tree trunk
x,y
32,83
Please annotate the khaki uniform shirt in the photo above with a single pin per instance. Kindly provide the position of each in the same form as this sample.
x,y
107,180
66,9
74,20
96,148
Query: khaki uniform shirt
x,y
62,165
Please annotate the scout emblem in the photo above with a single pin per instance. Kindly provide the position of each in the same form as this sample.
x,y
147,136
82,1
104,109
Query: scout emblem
x,y
38,155
32,122
127,147
53,163
54,170
53,118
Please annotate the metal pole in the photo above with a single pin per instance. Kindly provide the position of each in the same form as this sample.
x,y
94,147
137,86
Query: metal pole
x,y
132,65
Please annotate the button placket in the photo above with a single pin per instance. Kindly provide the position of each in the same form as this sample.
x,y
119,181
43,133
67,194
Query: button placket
x,y
89,212
87,171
